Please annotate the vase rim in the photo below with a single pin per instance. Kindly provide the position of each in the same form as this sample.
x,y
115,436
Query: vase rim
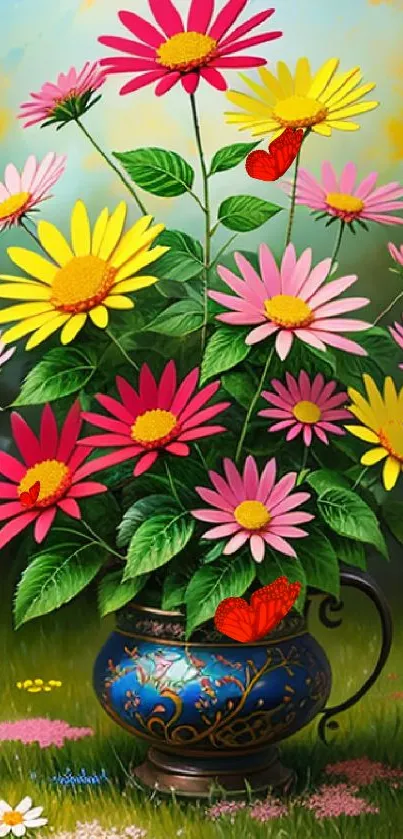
x,y
153,610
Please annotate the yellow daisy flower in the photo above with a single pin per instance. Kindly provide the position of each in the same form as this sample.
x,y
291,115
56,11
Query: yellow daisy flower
x,y
320,102
89,277
382,425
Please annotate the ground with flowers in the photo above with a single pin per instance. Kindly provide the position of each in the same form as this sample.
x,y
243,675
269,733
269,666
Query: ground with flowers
x,y
88,780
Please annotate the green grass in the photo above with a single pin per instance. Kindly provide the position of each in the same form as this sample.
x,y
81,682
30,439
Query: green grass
x,y
64,646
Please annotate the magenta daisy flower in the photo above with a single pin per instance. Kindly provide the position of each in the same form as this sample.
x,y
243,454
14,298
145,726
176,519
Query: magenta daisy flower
x,y
70,97
54,462
396,253
304,407
252,508
5,354
396,332
289,302
177,52
343,198
160,417
22,192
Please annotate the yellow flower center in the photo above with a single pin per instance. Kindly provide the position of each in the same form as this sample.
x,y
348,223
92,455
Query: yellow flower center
x,y
307,412
344,203
252,515
391,438
288,311
54,478
186,50
156,426
12,817
14,204
82,284
299,112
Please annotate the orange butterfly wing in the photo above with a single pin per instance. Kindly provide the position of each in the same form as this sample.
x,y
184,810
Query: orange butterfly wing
x,y
271,165
28,499
272,603
234,618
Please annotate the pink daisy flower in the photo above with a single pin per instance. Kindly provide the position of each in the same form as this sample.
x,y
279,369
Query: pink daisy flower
x,y
252,508
396,253
177,52
53,461
21,192
160,417
343,198
289,302
70,97
305,407
396,332
5,354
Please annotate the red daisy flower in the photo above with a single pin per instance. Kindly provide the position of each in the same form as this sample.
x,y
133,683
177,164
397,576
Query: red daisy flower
x,y
179,53
159,417
53,461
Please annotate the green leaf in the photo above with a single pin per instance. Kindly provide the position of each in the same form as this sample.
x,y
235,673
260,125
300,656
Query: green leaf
x,y
174,588
185,259
348,515
61,372
179,319
325,479
113,593
274,566
54,577
158,171
229,577
139,512
214,553
156,542
319,561
230,156
102,514
349,551
246,212
225,349
393,515
240,387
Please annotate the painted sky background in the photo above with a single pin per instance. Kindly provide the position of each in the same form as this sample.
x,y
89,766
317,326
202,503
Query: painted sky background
x,y
40,38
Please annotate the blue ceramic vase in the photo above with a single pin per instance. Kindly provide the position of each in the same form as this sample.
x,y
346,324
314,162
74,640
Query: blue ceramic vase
x,y
210,709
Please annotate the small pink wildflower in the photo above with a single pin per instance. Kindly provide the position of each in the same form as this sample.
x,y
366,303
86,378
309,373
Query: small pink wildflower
x,y
43,731
338,800
362,771
224,808
94,830
264,811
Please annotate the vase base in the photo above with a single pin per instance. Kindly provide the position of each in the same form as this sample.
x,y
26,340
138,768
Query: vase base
x,y
206,778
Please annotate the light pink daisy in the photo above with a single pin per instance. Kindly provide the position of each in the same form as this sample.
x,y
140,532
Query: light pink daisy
x,y
176,52
396,253
160,417
344,199
304,407
22,192
53,461
249,507
5,354
292,301
396,332
70,97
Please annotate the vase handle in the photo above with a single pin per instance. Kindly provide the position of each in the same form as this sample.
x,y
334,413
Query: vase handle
x,y
362,581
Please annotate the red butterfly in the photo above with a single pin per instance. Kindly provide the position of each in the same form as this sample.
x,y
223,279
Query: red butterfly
x,y
29,499
271,165
246,622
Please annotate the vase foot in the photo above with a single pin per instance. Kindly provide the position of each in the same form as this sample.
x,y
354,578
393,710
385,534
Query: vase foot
x,y
204,777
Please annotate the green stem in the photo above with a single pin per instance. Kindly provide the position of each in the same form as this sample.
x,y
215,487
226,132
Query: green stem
x,y
173,487
206,202
253,405
224,248
121,349
97,539
388,308
113,166
337,244
293,197
31,233
359,479
202,458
